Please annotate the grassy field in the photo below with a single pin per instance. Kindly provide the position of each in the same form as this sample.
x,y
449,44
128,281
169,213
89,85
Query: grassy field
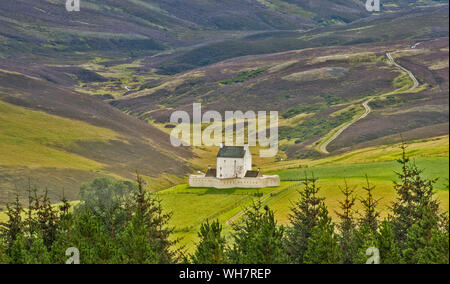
x,y
36,139
381,175
192,206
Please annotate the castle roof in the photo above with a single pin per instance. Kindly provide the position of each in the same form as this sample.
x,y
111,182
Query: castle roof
x,y
253,174
231,152
211,173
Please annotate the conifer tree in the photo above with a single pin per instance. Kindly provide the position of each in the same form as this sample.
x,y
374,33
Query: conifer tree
x,y
303,219
369,203
88,234
212,245
106,199
10,230
46,219
413,193
323,245
389,252
347,224
426,243
156,223
3,255
364,239
134,246
258,239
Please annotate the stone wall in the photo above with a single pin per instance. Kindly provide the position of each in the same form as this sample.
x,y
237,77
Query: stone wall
x,y
259,182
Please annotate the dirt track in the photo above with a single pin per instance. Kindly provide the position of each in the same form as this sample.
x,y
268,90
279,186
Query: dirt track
x,y
323,147
366,106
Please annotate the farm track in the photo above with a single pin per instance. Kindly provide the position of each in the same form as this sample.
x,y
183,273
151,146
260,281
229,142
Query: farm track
x,y
368,110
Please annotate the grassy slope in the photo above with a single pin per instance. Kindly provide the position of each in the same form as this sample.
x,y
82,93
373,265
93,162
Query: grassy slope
x,y
60,139
35,139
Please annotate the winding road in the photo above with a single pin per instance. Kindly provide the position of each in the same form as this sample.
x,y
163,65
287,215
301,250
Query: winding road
x,y
323,147
366,106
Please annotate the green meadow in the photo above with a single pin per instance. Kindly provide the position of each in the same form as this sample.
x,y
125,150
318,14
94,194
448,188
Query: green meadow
x,y
192,206
35,139
380,174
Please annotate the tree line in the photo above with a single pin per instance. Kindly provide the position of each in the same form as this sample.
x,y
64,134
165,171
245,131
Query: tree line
x,y
121,222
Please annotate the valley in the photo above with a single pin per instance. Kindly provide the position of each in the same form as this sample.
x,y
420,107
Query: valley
x,y
91,96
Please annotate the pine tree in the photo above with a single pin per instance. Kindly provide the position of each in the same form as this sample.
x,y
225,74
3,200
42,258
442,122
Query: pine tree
x,y
426,243
64,208
258,239
106,199
10,230
3,255
389,252
364,239
212,245
46,219
413,193
323,245
29,250
87,233
156,223
370,214
133,244
347,224
303,219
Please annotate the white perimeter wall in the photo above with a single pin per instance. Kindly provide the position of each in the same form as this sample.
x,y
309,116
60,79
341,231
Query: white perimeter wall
x,y
261,182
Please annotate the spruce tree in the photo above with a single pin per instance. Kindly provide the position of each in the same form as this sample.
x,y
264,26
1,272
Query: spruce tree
x,y
3,255
413,193
134,246
426,242
212,245
369,203
156,223
389,252
258,239
364,239
303,219
323,245
87,233
45,217
106,199
10,230
347,224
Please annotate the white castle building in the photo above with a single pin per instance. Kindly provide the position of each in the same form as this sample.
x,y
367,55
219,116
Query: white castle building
x,y
233,170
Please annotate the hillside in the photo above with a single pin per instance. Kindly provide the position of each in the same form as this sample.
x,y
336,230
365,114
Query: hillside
x,y
60,138
317,91
43,28
46,29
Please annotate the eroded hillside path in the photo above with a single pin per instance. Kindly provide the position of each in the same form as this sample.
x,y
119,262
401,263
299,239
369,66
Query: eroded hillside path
x,y
368,110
